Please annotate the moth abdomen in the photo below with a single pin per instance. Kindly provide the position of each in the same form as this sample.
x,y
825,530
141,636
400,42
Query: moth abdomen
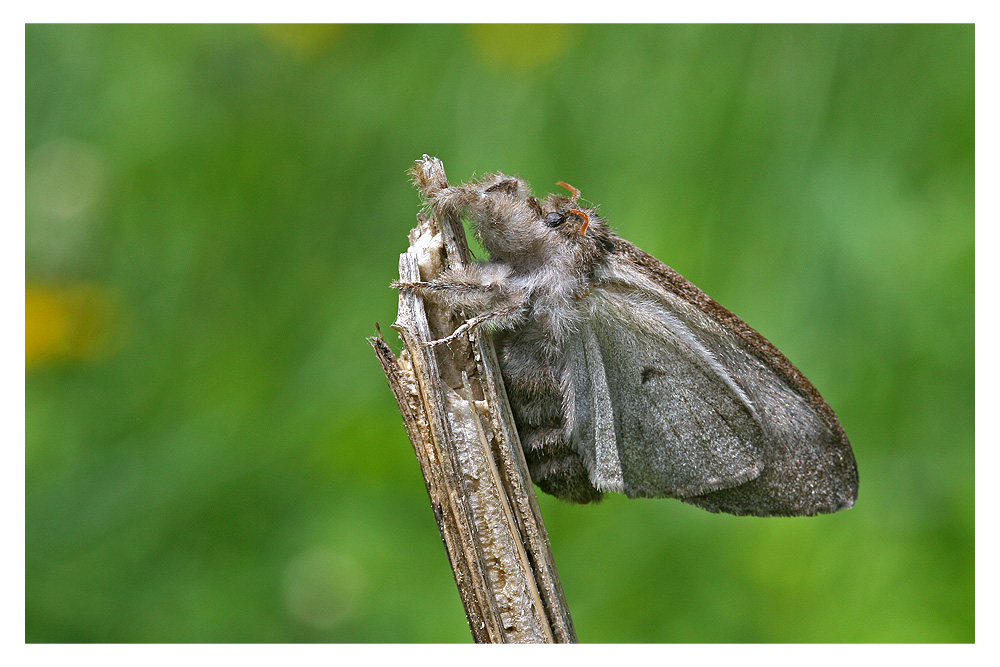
x,y
533,368
554,465
562,476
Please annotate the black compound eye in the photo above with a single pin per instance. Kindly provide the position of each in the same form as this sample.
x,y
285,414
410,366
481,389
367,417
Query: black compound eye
x,y
555,219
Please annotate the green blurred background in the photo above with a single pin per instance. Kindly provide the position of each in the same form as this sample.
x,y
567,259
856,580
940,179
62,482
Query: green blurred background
x,y
213,216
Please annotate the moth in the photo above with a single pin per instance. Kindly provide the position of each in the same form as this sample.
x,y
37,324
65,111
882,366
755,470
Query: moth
x,y
625,377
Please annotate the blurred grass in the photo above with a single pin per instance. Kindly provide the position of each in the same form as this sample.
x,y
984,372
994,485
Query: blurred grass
x,y
214,214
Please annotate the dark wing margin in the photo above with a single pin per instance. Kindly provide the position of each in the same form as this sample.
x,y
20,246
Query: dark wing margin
x,y
808,464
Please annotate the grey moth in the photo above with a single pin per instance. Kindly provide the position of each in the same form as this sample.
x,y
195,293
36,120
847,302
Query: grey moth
x,y
625,377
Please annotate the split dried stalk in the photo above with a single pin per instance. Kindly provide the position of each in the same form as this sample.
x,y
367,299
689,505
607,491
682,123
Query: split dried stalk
x,y
452,401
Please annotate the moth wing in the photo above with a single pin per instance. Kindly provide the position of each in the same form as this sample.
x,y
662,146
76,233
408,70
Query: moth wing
x,y
654,415
808,464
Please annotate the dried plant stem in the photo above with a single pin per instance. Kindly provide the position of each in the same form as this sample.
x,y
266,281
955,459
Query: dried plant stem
x,y
456,413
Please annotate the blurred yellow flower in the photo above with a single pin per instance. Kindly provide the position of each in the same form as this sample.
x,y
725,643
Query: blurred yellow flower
x,y
521,46
304,39
65,322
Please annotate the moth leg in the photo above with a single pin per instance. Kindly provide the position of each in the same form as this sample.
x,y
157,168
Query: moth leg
x,y
443,285
477,287
471,323
476,196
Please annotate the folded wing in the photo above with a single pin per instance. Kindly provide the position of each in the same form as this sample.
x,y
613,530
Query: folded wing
x,y
654,414
676,396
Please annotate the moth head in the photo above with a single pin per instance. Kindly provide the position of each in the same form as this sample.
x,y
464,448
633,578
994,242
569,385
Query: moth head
x,y
577,230
517,228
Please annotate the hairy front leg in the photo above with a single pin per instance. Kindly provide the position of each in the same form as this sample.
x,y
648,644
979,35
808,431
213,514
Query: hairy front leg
x,y
478,288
